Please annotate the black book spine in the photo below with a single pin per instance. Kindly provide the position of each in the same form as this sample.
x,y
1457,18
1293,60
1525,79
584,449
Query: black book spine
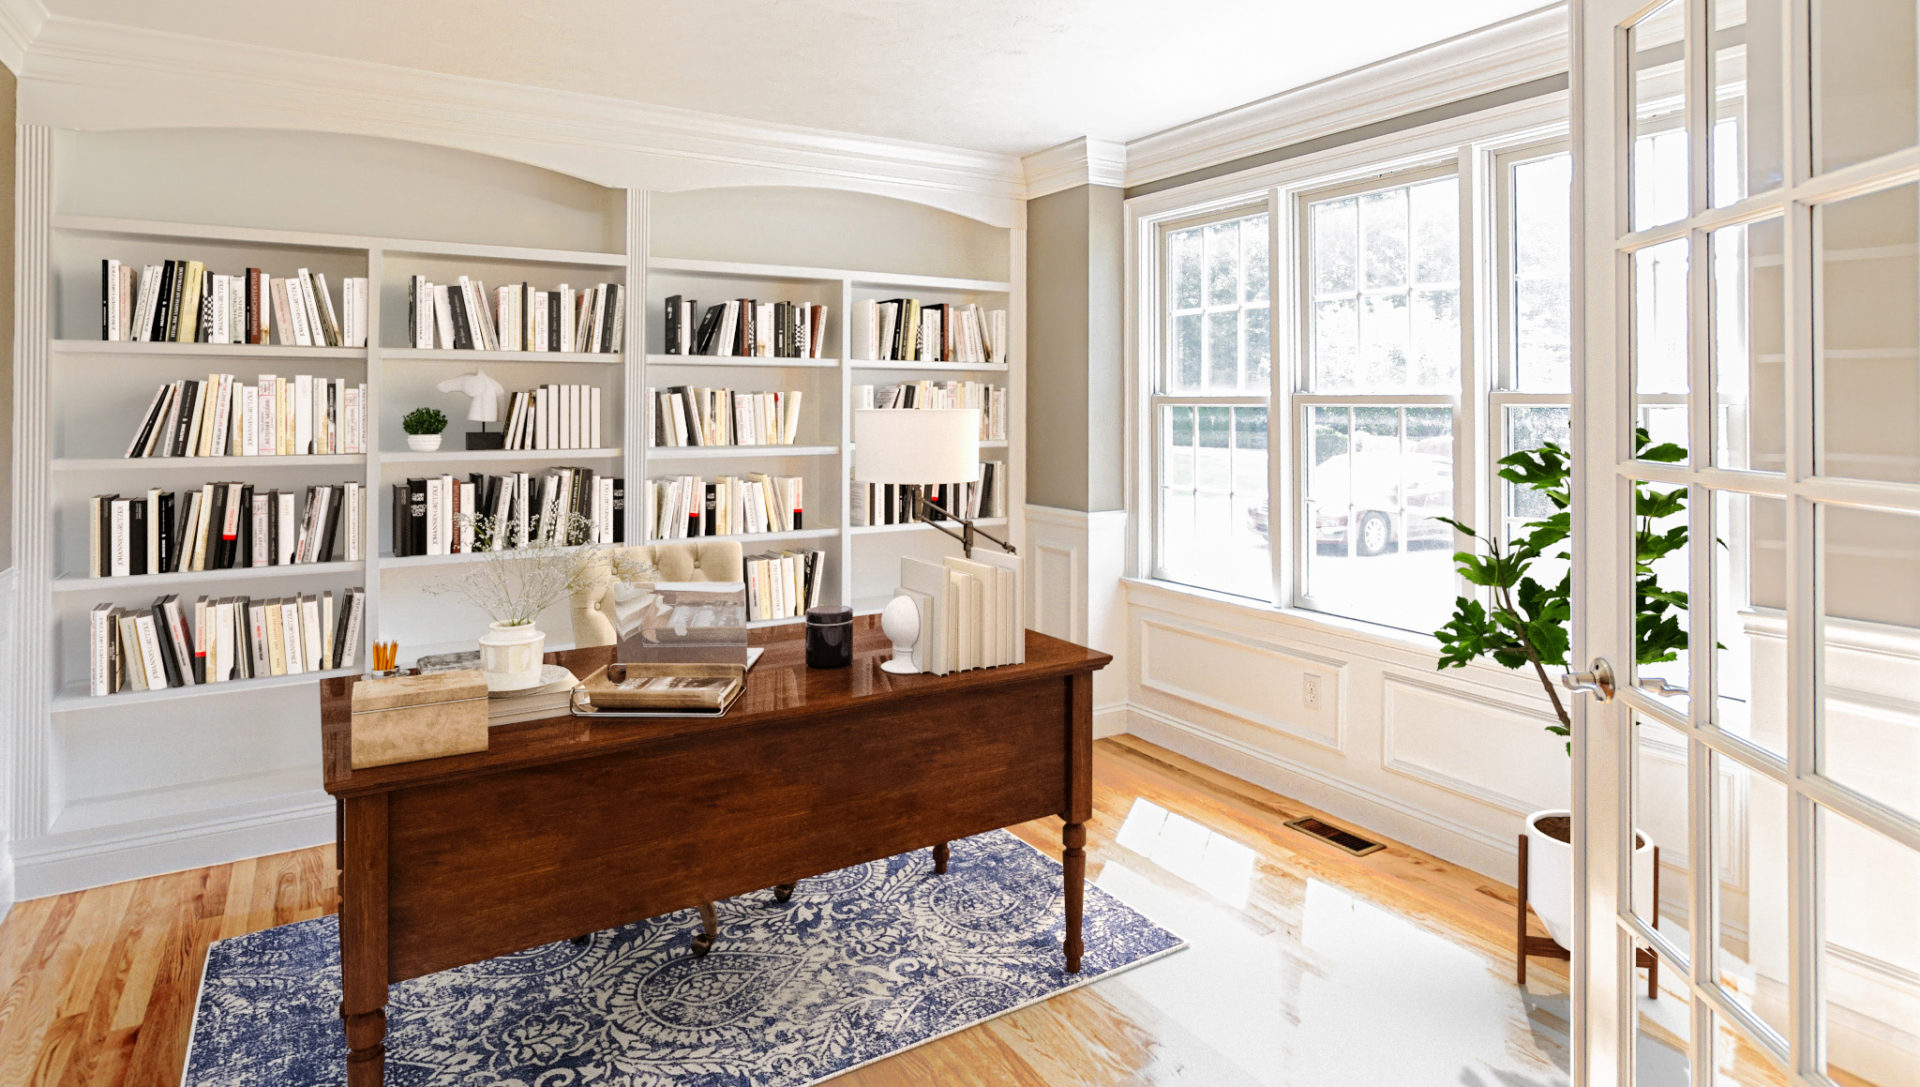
x,y
615,299
106,537
164,562
416,516
183,429
713,507
273,528
401,543
180,542
107,287
619,510
710,329
179,300
215,514
554,317
749,339
205,322
457,306
169,663
163,304
244,544
672,323
335,495
137,536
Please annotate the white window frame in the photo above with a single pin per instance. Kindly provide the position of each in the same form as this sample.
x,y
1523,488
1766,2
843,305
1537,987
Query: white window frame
x,y
1470,144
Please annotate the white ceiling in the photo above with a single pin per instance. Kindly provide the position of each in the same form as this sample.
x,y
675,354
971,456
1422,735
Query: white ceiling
x,y
1011,76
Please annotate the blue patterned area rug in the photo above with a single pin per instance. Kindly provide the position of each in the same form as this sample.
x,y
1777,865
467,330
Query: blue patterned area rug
x,y
860,964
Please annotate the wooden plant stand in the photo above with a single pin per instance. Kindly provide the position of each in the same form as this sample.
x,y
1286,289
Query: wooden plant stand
x,y
1527,944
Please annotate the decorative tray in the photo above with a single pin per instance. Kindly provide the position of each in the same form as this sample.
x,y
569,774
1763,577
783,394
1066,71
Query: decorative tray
x,y
659,690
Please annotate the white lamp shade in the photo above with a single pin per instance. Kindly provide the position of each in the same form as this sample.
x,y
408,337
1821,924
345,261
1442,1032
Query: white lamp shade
x,y
933,445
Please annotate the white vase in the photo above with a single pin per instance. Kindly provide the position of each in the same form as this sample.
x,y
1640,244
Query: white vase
x,y
423,443
1550,877
510,656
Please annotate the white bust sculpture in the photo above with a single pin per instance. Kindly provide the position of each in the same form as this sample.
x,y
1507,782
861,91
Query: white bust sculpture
x,y
486,394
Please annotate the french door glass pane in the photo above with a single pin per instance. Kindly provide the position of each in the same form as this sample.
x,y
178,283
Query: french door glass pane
x,y
1737,1059
1869,345
1869,727
1750,593
1863,80
1659,787
1657,161
1747,141
1542,265
1213,498
1871,954
1662,1030
1659,338
1749,821
1749,345
1662,621
1379,476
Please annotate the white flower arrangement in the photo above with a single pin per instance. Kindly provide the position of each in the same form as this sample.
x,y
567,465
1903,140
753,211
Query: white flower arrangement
x,y
513,579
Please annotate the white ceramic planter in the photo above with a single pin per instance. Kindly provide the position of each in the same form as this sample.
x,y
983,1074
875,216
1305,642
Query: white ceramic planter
x,y
510,656
1550,877
423,443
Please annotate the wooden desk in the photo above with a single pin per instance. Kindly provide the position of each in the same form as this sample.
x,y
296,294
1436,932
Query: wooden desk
x,y
569,825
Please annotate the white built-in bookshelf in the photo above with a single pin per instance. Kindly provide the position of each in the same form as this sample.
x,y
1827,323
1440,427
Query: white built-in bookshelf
x,y
226,753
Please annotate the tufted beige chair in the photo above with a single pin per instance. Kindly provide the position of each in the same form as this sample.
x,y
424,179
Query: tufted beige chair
x,y
690,560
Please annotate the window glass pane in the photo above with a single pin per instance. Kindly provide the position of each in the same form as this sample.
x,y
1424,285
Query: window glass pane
x,y
1213,499
1662,620
1258,355
1863,80
1659,338
1738,1058
1748,346
1530,427
1871,954
1748,145
1223,352
1223,264
1750,641
1869,386
1658,157
1379,477
1183,258
1542,318
1186,353
1749,825
1660,817
1400,328
1663,1028
1868,734
1253,252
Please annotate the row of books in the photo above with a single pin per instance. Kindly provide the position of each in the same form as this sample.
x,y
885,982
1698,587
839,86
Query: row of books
x,y
746,327
991,400
224,416
895,503
783,584
182,301
444,515
678,507
905,330
969,611
222,526
224,640
464,316
678,415
554,417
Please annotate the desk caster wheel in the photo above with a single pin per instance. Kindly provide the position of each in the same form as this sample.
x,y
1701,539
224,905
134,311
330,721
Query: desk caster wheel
x,y
700,945
580,941
783,892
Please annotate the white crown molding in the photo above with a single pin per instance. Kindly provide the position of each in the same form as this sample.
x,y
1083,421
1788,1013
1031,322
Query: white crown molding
x,y
20,23
1520,49
83,74
1085,161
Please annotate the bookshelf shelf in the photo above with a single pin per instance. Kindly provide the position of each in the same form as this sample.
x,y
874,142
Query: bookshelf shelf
x,y
173,464
754,539
733,361
74,696
75,583
919,526
714,452
416,354
461,456
398,562
929,367
161,349
756,624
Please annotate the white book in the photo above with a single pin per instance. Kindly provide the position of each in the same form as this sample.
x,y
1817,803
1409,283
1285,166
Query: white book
x,y
350,420
143,308
593,418
156,671
326,317
302,413
469,497
249,420
289,528
538,321
316,323
268,418
565,318
436,502
120,544
356,609
443,315
220,329
290,628
257,638
261,527
297,309
362,291
100,634
219,625
350,312
424,318
354,521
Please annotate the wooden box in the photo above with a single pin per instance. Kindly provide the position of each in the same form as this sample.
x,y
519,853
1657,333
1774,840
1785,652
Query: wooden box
x,y
407,718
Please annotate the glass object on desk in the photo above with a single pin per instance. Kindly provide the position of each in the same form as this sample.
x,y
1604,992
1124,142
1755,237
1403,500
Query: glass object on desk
x,y
682,622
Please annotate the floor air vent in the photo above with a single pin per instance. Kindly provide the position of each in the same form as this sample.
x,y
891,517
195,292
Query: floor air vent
x,y
1346,840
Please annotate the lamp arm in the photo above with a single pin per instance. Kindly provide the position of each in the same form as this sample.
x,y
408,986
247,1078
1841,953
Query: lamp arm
x,y
966,539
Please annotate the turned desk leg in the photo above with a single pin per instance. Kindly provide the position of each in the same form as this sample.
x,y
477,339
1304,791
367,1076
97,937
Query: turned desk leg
x,y
940,859
709,930
363,938
1073,860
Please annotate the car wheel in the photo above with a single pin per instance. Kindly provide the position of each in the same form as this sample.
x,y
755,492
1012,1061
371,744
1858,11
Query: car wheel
x,y
1376,534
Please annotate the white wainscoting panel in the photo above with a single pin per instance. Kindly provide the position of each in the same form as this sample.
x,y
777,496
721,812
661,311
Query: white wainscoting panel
x,y
1075,560
1247,680
9,626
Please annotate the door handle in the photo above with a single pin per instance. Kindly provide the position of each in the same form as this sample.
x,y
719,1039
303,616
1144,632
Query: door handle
x,y
1656,685
1596,681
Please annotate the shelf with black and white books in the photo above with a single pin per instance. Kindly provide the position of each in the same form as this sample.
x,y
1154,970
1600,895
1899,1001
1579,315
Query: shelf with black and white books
x,y
449,515
525,318
218,528
187,301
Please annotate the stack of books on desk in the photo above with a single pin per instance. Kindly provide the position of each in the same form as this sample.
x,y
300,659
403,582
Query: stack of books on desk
x,y
970,612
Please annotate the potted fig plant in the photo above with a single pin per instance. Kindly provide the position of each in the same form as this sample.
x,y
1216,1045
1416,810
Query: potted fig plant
x,y
1524,624
423,427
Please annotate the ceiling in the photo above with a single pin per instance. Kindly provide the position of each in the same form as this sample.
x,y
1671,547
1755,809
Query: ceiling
x,y
1009,76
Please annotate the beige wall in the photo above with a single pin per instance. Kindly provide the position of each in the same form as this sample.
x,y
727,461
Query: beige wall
x,y
1075,385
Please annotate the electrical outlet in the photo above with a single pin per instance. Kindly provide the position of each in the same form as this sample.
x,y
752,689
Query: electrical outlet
x,y
1310,691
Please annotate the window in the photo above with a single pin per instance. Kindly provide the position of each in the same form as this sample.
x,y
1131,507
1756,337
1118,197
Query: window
x,y
1385,412
1210,407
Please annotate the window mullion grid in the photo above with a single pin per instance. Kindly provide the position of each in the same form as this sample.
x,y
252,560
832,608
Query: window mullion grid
x,y
1472,498
1284,319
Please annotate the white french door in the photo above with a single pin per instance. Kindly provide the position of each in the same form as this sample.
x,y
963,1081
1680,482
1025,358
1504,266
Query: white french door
x,y
1749,188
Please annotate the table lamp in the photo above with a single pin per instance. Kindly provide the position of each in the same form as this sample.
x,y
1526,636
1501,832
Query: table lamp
x,y
919,446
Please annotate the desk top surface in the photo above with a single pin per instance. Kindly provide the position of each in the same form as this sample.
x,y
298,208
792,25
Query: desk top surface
x,y
780,685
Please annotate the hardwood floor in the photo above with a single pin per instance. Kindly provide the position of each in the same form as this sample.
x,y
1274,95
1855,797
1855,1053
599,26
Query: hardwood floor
x,y
1307,965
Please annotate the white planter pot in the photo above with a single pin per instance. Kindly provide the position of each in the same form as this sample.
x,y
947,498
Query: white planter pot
x,y
423,443
510,656
1550,877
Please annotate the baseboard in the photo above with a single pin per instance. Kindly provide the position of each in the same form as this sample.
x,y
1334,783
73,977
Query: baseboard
x,y
58,864
1444,837
1109,720
6,884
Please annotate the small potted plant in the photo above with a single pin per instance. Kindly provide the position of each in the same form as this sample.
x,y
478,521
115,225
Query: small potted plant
x,y
423,427
1525,625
